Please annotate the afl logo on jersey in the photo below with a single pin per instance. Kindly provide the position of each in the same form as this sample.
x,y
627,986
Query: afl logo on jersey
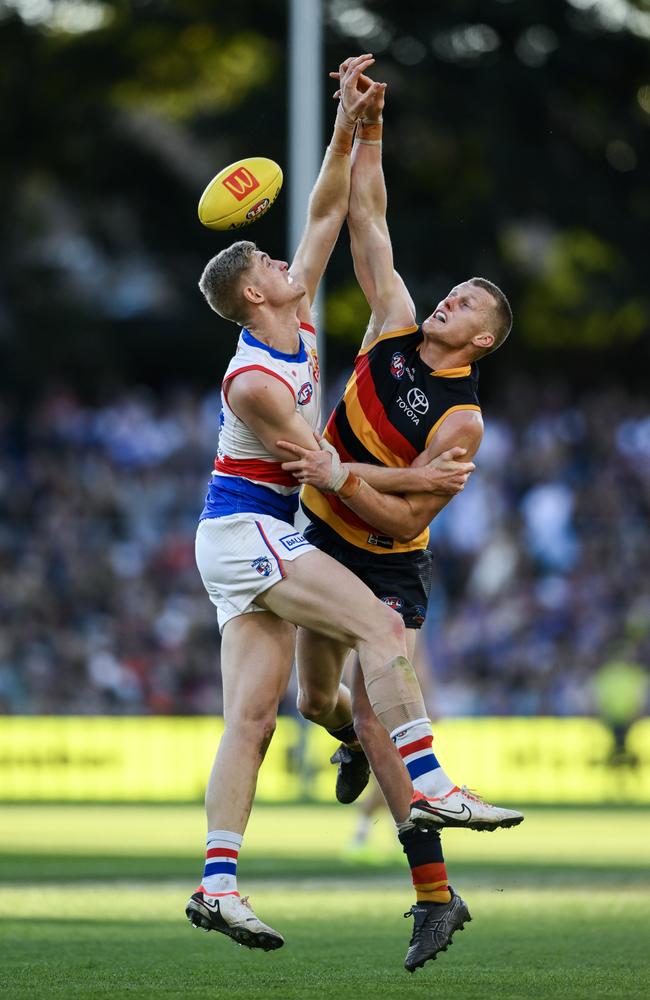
x,y
396,603
397,365
305,393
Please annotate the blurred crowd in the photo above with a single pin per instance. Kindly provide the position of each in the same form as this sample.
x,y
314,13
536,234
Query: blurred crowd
x,y
542,564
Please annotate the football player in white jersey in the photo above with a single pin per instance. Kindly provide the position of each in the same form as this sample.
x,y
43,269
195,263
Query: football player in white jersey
x,y
260,572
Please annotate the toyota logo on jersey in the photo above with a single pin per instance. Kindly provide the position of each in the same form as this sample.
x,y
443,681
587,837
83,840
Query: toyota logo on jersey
x,y
305,393
397,365
417,400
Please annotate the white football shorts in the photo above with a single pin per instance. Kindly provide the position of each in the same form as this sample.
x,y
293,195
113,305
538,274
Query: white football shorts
x,y
241,555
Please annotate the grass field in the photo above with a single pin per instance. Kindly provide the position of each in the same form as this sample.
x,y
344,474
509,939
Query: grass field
x,y
92,897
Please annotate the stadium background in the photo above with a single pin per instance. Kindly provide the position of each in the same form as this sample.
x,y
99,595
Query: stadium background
x,y
516,147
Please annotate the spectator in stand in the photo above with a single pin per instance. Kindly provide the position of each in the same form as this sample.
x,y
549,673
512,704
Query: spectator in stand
x,y
101,610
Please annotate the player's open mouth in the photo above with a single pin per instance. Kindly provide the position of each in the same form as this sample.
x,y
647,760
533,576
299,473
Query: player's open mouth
x,y
289,279
440,316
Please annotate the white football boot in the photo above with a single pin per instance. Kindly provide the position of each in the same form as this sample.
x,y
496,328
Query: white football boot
x,y
233,916
460,807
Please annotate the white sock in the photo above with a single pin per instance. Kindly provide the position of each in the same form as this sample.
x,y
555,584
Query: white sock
x,y
414,742
220,872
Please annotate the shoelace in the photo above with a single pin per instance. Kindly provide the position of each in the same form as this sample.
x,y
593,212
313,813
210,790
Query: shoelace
x,y
474,796
411,913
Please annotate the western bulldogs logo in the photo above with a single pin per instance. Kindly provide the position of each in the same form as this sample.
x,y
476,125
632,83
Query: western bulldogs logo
x,y
397,365
418,615
305,393
263,565
396,603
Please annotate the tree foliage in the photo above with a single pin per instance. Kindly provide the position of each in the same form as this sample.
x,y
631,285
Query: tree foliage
x,y
516,146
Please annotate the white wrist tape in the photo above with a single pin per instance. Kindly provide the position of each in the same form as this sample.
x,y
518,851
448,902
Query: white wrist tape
x,y
338,475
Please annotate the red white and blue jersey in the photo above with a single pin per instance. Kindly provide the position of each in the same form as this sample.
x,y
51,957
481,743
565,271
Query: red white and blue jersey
x,y
247,478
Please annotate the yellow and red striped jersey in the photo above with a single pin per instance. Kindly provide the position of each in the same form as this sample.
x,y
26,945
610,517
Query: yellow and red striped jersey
x,y
392,406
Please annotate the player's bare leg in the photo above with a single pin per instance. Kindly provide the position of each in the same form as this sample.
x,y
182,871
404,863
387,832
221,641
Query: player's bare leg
x,y
438,912
256,660
324,700
442,803
321,595
321,697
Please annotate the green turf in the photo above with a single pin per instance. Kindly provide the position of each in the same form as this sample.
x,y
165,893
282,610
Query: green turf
x,y
561,908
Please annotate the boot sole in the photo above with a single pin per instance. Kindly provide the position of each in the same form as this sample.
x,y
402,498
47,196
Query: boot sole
x,y
240,935
422,817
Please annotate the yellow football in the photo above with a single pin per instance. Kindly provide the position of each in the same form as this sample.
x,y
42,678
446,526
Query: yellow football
x,y
240,193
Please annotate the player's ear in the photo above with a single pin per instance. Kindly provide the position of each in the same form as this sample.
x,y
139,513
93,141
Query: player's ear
x,y
252,294
483,340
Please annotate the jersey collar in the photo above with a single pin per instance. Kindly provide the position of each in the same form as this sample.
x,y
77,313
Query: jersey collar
x,y
252,341
462,372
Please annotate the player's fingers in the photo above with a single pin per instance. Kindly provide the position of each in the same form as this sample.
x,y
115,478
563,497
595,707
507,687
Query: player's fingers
x,y
454,452
367,87
355,60
295,449
294,467
355,71
336,95
360,69
350,65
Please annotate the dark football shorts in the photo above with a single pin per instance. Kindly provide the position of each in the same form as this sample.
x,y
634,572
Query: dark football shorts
x,y
400,579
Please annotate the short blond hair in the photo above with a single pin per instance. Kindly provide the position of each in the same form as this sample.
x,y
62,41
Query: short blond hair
x,y
221,281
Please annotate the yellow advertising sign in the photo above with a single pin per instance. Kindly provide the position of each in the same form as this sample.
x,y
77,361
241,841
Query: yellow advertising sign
x,y
162,759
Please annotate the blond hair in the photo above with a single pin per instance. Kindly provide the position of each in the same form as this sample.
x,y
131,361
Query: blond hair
x,y
221,281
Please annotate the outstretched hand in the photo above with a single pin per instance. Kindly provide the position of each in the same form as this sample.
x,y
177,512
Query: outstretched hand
x,y
359,95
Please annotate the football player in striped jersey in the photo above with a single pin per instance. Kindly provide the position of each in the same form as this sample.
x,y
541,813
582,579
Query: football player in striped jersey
x,y
260,572
413,393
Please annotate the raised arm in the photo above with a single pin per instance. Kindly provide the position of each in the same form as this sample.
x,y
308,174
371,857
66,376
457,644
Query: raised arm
x,y
328,204
372,252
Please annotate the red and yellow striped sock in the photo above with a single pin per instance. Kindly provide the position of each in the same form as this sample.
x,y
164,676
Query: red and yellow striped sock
x,y
423,850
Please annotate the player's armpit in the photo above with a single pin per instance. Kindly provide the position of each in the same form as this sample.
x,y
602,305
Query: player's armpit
x,y
266,405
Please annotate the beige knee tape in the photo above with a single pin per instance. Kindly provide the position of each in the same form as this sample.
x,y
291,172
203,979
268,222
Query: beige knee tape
x,y
395,694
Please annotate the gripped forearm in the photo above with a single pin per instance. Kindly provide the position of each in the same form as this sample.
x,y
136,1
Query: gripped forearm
x,y
389,480
391,515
